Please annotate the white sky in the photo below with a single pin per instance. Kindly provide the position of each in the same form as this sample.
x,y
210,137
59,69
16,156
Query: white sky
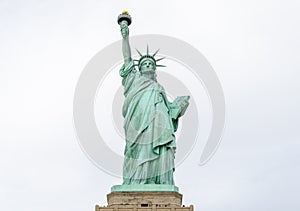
x,y
254,49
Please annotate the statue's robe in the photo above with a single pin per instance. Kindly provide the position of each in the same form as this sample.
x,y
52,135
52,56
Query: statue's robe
x,y
150,123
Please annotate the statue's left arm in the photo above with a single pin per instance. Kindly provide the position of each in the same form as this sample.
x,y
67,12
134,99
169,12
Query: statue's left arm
x,y
179,106
177,109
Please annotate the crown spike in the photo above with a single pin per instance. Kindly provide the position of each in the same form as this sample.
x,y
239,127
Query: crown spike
x,y
155,52
158,65
147,50
160,59
139,52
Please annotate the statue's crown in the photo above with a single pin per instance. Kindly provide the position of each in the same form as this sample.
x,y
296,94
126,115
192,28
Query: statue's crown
x,y
148,57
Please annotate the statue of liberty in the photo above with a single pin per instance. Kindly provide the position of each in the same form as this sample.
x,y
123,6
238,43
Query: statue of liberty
x,y
150,120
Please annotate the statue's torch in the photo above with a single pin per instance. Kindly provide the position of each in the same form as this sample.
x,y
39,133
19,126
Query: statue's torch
x,y
124,18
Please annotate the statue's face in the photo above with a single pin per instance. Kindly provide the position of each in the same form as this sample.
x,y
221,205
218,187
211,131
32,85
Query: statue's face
x,y
148,65
147,69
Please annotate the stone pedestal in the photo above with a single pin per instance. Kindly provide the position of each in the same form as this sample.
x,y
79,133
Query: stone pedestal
x,y
144,201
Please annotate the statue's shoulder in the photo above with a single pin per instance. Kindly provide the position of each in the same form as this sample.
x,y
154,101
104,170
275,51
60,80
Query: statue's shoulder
x,y
127,68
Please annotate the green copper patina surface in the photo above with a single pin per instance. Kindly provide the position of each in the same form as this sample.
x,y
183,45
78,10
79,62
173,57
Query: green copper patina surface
x,y
144,188
150,123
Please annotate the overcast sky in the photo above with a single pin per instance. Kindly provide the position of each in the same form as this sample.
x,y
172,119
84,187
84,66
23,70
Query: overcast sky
x,y
253,47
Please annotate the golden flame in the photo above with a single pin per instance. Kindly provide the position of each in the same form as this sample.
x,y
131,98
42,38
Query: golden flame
x,y
125,12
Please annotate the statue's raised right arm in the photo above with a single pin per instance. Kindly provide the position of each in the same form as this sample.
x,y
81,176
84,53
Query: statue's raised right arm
x,y
125,42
